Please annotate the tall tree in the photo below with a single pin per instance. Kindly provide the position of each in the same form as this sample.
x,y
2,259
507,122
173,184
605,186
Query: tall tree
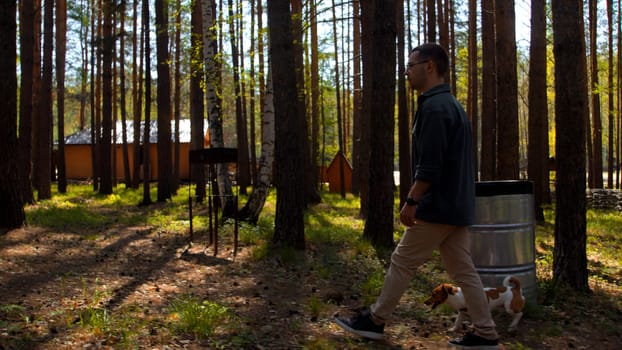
x,y
488,155
61,47
83,35
596,169
430,12
364,137
310,186
252,95
177,97
443,25
36,94
27,52
538,147
338,106
243,93
356,96
289,147
197,105
122,98
94,95
137,49
106,138
147,129
379,223
473,91
165,162
260,52
619,89
44,150
571,108
315,93
403,118
507,91
611,115
11,201
453,75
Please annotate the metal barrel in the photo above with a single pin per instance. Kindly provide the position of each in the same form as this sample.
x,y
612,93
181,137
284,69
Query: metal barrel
x,y
503,234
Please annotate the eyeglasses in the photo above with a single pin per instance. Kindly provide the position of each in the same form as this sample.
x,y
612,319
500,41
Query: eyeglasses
x,y
412,64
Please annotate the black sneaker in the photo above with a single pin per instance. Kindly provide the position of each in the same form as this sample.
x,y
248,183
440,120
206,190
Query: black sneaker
x,y
361,325
472,341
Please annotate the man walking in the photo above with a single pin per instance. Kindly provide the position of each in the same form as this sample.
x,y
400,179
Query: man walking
x,y
439,207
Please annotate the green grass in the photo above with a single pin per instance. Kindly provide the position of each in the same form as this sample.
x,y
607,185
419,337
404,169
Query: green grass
x,y
199,318
603,249
82,209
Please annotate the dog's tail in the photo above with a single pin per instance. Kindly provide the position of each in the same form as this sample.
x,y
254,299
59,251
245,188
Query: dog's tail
x,y
511,282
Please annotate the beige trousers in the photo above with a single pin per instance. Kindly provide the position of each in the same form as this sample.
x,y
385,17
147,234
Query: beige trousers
x,y
414,249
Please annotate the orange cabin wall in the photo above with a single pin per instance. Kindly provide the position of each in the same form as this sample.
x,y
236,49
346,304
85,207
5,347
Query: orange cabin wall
x,y
79,165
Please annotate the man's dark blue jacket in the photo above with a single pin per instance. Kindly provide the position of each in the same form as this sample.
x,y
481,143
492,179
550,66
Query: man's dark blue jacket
x,y
442,154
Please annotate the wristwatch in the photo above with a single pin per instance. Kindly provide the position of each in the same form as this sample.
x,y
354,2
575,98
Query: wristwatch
x,y
410,201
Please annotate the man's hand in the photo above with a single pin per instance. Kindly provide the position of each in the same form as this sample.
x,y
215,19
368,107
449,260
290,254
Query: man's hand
x,y
407,215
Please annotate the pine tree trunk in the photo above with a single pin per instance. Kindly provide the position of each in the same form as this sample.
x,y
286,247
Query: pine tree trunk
x,y
473,91
338,106
315,97
571,108
356,97
379,223
611,98
84,70
136,96
61,44
431,20
538,147
44,150
404,115
619,98
197,106
507,92
11,202
252,96
106,138
36,95
177,99
147,129
123,105
597,132
309,185
165,162
367,47
489,94
289,131
27,43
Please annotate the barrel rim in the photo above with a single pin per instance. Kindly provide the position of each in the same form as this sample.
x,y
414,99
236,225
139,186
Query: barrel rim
x,y
503,187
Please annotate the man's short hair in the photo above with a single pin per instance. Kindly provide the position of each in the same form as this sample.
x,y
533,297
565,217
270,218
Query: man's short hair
x,y
436,53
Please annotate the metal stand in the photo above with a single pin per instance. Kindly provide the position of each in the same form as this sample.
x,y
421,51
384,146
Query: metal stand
x,y
210,157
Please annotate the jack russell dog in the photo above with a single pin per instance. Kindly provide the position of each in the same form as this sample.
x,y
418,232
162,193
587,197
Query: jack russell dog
x,y
508,296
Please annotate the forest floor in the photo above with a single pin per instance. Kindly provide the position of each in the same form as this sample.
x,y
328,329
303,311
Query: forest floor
x,y
109,282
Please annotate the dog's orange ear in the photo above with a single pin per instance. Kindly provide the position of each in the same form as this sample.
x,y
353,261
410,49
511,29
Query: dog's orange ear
x,y
432,301
449,289
492,294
